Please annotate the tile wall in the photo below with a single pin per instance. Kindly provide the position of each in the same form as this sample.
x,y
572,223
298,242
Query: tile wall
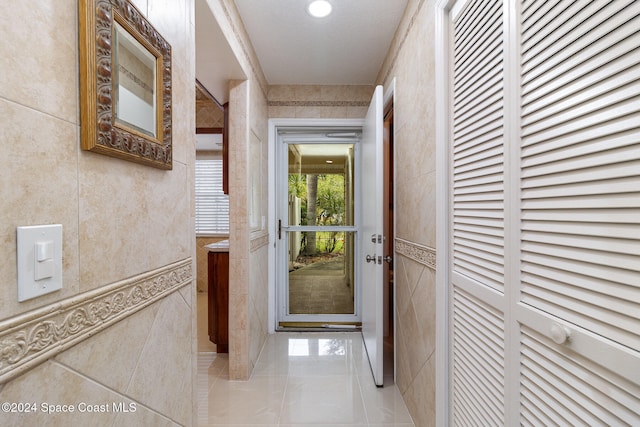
x,y
411,62
120,221
208,114
248,261
319,101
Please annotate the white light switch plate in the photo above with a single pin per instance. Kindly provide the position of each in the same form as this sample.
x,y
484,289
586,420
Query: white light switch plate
x,y
39,260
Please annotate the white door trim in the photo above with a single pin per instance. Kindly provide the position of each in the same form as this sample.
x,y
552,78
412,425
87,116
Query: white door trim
x,y
443,408
273,126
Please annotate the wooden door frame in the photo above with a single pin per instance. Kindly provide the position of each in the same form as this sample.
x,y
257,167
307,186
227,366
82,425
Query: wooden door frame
x,y
389,218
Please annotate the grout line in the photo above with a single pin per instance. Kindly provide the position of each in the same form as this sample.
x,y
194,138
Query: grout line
x,y
284,394
364,404
111,390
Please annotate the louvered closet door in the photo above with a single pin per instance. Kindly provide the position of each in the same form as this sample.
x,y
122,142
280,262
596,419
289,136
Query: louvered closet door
x,y
580,213
477,180
545,213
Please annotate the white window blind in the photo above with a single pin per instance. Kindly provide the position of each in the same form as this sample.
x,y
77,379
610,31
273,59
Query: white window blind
x,y
212,205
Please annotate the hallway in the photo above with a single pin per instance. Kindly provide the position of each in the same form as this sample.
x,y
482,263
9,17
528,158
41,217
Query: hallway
x,y
300,379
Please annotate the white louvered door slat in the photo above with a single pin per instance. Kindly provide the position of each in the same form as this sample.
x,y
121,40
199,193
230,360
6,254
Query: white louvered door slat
x,y
580,213
608,178
544,149
476,148
478,360
541,53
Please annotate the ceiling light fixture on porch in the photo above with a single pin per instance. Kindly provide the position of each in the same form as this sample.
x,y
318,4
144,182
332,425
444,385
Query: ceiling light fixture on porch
x,y
319,8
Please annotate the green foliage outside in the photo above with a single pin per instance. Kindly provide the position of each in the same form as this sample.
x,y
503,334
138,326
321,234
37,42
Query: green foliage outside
x,y
330,208
329,242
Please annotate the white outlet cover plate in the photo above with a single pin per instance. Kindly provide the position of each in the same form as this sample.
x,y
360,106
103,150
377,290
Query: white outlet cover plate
x,y
27,238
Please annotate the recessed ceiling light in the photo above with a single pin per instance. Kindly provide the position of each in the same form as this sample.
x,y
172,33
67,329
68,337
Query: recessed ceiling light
x,y
319,8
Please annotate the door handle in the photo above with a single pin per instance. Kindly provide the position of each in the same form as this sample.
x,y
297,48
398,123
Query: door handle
x,y
375,259
388,259
280,228
560,334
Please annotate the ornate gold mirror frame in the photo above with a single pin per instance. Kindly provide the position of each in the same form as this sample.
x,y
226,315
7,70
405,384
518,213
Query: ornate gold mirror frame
x,y
125,84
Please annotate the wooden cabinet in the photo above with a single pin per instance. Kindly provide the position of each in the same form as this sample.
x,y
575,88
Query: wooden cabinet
x,y
218,269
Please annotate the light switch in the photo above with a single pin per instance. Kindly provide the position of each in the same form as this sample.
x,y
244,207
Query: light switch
x,y
43,250
39,260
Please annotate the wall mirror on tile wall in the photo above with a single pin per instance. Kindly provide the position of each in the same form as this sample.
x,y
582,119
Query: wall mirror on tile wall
x,y
125,84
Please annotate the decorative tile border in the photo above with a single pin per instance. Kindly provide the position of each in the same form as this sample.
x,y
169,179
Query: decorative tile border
x,y
422,254
318,103
31,338
258,242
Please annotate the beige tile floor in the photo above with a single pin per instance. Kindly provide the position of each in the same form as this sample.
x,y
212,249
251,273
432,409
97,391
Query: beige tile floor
x,y
300,379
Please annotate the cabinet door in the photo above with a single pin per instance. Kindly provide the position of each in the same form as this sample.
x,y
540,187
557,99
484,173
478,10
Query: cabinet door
x,y
219,300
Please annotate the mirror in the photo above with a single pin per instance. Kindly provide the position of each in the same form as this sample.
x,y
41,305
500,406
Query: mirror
x,y
125,84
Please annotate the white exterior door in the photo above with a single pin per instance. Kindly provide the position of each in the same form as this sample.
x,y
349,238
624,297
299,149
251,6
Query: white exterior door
x,y
370,235
544,212
316,228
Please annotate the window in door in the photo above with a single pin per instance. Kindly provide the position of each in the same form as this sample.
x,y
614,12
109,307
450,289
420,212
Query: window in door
x,y
320,248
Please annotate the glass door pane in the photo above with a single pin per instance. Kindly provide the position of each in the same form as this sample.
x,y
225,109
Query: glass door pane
x,y
323,283
321,185
321,231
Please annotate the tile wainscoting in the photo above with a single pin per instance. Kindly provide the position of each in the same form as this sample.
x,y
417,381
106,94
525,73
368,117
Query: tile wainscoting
x,y
33,337
316,103
415,328
258,241
419,253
